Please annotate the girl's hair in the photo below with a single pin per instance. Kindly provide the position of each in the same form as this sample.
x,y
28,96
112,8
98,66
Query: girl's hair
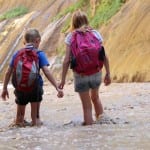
x,y
31,35
79,19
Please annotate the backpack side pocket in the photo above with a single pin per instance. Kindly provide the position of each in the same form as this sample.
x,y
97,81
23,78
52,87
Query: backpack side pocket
x,y
73,62
102,54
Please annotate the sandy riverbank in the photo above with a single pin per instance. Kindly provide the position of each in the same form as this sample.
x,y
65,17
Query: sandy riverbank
x,y
126,104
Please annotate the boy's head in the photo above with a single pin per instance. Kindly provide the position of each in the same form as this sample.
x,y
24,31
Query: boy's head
x,y
32,36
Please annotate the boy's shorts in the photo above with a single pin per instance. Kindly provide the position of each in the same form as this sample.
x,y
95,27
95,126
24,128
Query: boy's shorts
x,y
84,83
23,98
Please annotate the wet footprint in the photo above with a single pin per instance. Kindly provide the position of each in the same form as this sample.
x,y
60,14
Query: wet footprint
x,y
104,119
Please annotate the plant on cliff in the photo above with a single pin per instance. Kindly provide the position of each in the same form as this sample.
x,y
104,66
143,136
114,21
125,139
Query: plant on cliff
x,y
18,11
104,11
79,4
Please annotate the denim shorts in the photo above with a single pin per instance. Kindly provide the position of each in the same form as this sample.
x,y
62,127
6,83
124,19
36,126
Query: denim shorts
x,y
84,83
22,98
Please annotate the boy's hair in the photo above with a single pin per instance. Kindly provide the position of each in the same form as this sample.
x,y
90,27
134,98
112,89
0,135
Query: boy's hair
x,y
79,19
31,35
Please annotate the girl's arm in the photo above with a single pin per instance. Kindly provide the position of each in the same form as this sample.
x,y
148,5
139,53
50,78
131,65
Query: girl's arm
x,y
66,63
107,79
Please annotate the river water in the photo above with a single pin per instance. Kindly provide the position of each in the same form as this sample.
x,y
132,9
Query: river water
x,y
125,125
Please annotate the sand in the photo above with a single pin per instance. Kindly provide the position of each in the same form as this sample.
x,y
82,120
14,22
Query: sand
x,y
125,126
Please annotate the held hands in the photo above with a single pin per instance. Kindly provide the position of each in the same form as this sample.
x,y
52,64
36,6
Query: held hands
x,y
107,79
60,89
5,94
61,85
60,93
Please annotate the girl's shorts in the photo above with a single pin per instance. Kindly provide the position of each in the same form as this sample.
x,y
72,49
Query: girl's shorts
x,y
84,83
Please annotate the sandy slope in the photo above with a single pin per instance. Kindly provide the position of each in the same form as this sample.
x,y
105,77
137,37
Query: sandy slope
x,y
126,35
126,104
127,41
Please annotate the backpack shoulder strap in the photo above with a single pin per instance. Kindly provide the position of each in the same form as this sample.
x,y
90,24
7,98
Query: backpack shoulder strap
x,y
39,51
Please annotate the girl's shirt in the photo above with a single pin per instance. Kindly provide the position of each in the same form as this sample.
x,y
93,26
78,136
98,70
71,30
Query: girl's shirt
x,y
95,32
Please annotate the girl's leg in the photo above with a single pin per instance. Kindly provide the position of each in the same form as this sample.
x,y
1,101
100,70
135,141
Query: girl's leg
x,y
87,107
20,115
97,102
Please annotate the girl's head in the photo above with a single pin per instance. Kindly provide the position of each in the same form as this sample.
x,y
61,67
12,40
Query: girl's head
x,y
32,36
79,19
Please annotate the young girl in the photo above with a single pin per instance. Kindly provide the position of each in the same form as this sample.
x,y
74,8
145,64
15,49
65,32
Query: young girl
x,y
32,40
89,91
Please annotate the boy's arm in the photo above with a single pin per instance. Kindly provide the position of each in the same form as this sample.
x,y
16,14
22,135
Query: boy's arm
x,y
49,76
6,81
52,80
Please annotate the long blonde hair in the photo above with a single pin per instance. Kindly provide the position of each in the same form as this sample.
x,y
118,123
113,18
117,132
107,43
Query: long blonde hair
x,y
79,20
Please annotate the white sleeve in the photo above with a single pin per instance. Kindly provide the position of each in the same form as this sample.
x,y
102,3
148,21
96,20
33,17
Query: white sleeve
x,y
68,38
98,35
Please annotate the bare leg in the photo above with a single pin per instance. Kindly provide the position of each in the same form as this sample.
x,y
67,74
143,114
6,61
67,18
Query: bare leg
x,y
38,120
34,112
20,115
97,102
87,107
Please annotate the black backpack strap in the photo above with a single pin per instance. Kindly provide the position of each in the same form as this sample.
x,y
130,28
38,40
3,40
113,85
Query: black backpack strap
x,y
102,53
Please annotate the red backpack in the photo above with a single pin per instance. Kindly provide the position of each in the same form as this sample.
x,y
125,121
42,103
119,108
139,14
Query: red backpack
x,y
26,70
86,50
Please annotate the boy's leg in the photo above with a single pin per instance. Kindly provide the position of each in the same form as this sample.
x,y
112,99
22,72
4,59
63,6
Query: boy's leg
x,y
34,112
38,120
87,107
38,110
97,102
20,115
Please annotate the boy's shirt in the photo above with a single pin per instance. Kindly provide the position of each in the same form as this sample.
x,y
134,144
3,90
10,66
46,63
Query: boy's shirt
x,y
43,61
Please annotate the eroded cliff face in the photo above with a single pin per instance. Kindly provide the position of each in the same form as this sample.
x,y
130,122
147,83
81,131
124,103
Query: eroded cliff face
x,y
40,16
127,40
126,36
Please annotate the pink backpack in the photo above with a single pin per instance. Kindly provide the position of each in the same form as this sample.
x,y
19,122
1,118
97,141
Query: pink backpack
x,y
85,48
26,70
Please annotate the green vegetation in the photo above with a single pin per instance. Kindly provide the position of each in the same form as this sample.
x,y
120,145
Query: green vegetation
x,y
66,26
104,11
18,11
60,50
79,4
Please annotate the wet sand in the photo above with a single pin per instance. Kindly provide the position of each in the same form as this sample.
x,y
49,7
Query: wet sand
x,y
126,123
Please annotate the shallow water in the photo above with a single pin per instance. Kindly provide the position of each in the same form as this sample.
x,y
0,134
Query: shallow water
x,y
126,104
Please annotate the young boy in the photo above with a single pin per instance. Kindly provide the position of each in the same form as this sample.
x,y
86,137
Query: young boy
x,y
32,40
